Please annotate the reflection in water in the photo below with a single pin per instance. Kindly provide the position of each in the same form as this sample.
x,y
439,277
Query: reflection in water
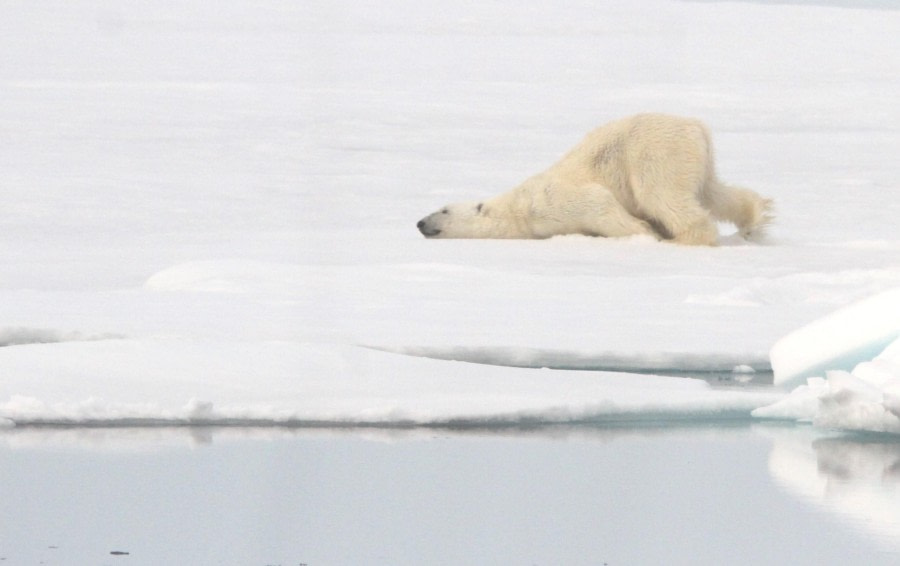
x,y
854,477
163,438
116,439
854,461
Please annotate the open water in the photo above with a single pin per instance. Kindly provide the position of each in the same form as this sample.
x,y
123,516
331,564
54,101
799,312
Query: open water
x,y
664,493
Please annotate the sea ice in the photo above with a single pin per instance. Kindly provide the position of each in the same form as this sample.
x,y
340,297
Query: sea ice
x,y
866,398
208,211
839,340
183,382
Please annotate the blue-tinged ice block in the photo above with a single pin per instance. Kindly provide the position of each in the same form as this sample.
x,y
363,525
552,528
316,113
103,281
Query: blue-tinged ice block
x,y
839,341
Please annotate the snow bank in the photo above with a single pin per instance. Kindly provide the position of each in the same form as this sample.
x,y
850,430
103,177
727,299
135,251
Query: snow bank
x,y
178,382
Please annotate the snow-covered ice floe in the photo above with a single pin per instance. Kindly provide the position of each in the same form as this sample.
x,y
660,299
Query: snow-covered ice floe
x,y
145,382
191,236
856,354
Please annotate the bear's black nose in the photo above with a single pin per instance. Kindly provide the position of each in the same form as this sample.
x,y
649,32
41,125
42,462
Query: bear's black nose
x,y
425,230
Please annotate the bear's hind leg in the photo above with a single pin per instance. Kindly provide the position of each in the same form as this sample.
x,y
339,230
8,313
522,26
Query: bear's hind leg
x,y
701,232
685,221
605,216
679,213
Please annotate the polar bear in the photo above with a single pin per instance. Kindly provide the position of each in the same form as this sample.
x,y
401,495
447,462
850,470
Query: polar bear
x,y
647,174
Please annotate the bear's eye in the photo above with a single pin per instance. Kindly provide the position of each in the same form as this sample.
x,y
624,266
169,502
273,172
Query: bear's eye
x,y
478,208
445,211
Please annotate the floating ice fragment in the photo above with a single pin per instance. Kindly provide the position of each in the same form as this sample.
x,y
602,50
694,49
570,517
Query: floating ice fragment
x,y
841,340
800,405
865,399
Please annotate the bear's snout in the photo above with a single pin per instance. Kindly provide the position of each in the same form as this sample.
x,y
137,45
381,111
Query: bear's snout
x,y
427,230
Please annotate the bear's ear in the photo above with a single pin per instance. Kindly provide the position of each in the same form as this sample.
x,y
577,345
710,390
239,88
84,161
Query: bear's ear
x,y
478,208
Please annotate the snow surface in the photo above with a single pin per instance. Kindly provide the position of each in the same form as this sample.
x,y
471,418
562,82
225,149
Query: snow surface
x,y
209,209
145,381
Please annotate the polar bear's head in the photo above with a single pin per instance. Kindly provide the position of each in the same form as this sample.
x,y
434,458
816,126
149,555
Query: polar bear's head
x,y
461,220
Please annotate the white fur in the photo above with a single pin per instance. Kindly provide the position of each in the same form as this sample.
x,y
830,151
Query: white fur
x,y
645,174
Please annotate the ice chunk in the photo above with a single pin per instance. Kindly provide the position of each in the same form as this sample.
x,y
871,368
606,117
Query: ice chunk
x,y
857,350
866,399
800,405
839,341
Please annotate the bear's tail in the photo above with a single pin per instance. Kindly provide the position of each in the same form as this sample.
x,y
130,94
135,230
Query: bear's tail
x,y
744,208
